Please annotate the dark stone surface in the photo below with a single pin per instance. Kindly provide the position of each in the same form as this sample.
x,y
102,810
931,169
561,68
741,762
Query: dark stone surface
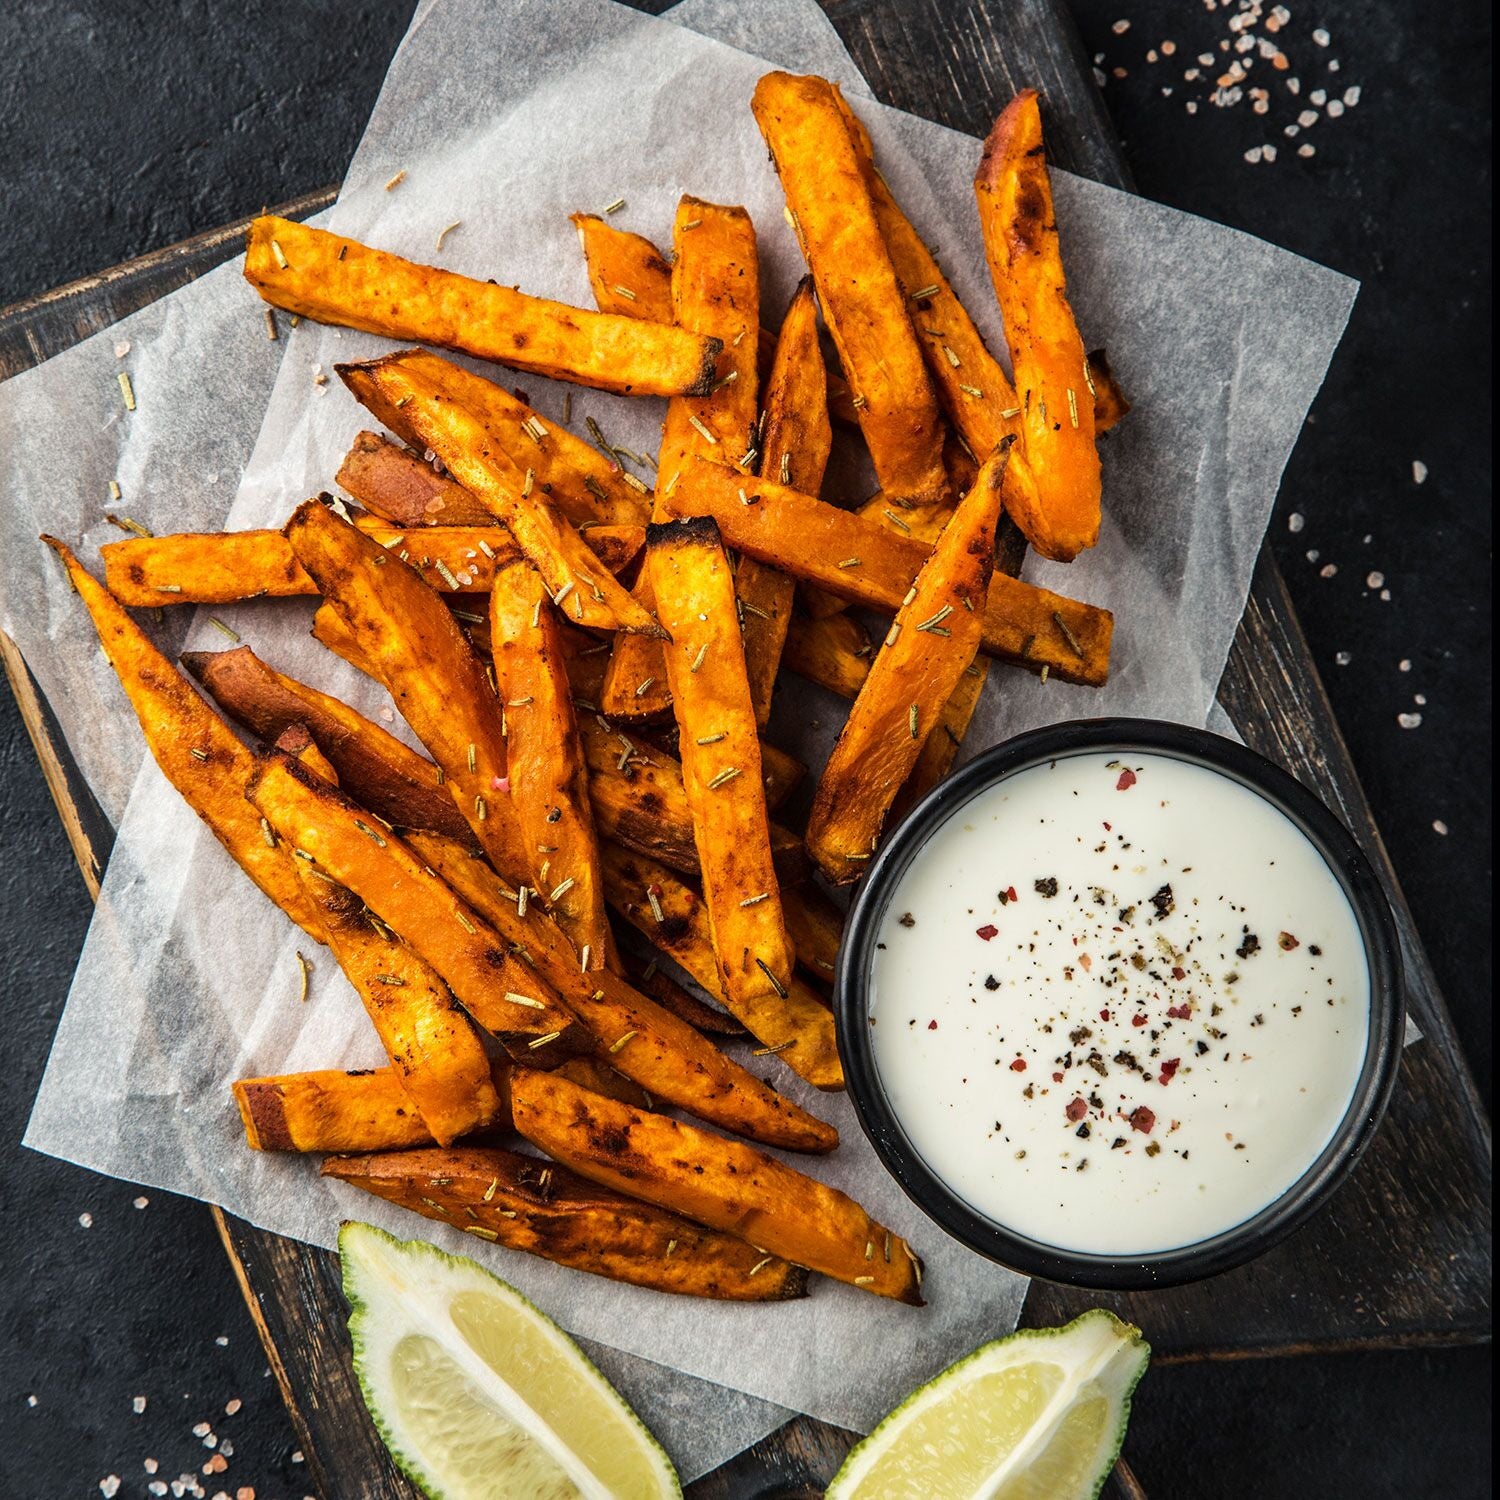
x,y
127,126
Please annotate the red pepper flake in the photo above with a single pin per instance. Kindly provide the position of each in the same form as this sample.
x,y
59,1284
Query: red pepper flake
x,y
1169,1070
1286,942
1138,1020
1077,1110
1180,1012
1178,973
1104,1015
1126,781
1057,1078
1109,827
1010,893
932,1025
1019,1065
988,931
1142,1119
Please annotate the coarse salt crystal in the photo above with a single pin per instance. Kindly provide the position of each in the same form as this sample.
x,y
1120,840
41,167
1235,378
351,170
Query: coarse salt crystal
x,y
227,1448
1351,96
87,1220
1420,699
1254,154
1335,108
1291,131
1313,554
1120,28
1294,85
1305,150
1318,97
1151,55
1409,721
109,1486
1168,48
201,1429
1270,153
1342,658
1333,65
150,1465
1374,580
31,1401
1328,570
223,1338
1296,521
138,1404
1308,118
1438,826
1403,665
1206,58
1418,471
297,1456
231,1407
157,1487
1321,37
1385,595
141,1202
1192,107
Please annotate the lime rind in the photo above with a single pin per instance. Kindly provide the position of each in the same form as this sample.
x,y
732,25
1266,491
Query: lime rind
x,y
361,1246
1127,1357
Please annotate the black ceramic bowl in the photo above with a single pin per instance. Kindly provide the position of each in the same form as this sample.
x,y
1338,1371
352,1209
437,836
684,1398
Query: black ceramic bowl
x,y
1278,1219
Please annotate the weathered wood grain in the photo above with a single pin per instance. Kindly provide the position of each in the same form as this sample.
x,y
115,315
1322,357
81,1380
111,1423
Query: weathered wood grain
x,y
1400,1258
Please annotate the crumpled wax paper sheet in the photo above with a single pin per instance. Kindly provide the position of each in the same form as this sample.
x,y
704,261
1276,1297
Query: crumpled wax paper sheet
x,y
506,123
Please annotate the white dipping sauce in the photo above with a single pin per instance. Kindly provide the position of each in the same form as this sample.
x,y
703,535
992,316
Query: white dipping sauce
x,y
1147,1056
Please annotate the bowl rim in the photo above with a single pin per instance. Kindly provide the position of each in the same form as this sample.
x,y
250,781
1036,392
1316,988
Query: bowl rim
x,y
1369,1098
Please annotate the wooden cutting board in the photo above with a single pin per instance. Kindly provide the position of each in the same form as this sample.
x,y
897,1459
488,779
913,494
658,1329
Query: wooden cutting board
x,y
1399,1259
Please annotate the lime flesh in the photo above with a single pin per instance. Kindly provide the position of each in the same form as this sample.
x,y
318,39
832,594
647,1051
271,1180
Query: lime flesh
x,y
476,1392
1036,1416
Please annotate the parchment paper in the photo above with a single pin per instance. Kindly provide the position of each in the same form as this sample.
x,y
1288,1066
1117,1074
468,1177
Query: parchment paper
x,y
507,121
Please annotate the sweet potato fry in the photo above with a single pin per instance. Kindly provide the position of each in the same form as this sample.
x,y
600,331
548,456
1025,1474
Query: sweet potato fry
x,y
721,767
461,440
725,1185
549,792
202,568
373,766
196,750
526,1204
415,648
368,1110
797,1026
393,483
1014,194
334,280
795,442
834,652
867,564
329,1110
324,827
716,288
649,978
437,1058
934,637
585,486
816,926
861,296
640,1038
223,566
628,275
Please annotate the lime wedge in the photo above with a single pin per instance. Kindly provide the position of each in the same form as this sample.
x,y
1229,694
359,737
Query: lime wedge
x,y
1036,1416
478,1394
